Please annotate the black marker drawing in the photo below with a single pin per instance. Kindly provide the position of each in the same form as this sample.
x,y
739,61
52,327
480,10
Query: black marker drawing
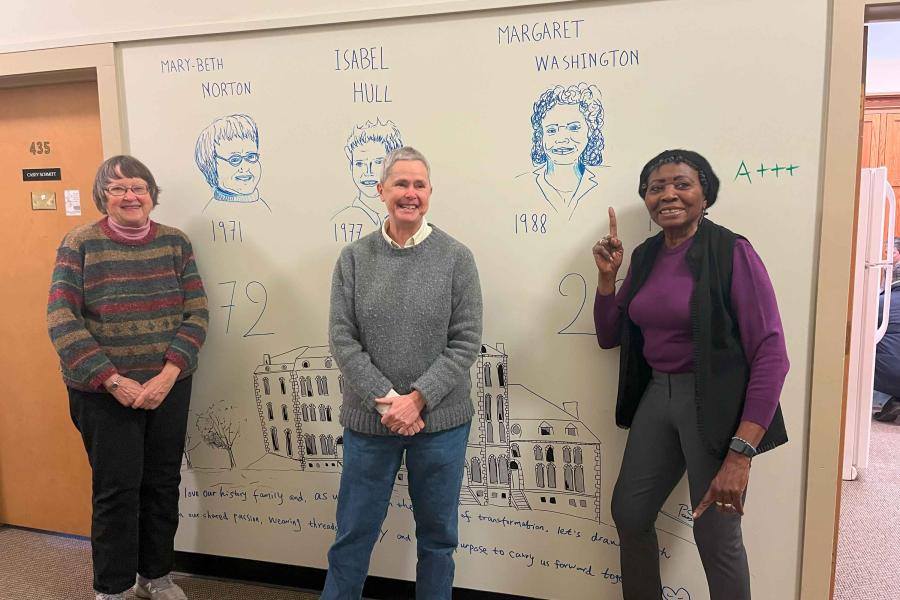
x,y
566,145
227,154
524,451
366,149
219,429
576,281
298,396
190,444
679,594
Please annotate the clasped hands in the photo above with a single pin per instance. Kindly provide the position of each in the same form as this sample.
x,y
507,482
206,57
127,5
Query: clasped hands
x,y
148,396
404,417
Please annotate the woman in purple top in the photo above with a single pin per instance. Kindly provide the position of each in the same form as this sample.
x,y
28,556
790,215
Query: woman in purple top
x,y
702,364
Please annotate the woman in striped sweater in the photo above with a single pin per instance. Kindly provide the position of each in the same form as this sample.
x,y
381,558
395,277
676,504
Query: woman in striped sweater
x,y
127,315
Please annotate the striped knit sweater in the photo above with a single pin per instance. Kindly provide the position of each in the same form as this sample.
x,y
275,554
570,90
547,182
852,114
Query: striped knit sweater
x,y
127,307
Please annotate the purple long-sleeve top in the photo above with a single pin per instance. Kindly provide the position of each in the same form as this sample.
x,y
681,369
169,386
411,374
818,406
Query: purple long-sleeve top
x,y
661,309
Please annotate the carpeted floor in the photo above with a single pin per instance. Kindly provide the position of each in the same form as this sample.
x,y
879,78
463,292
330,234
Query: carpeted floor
x,y
868,556
40,566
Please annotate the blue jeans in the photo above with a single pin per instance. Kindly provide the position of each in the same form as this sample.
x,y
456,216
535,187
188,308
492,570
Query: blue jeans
x,y
879,399
434,462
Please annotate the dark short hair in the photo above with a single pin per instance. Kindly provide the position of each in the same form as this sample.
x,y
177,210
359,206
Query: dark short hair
x,y
118,167
709,182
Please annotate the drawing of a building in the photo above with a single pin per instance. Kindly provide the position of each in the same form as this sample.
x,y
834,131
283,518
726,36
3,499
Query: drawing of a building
x,y
298,395
524,451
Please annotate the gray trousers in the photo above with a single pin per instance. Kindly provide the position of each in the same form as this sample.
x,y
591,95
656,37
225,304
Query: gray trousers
x,y
663,441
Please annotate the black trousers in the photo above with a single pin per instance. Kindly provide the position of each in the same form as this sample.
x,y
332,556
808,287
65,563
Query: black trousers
x,y
135,458
663,441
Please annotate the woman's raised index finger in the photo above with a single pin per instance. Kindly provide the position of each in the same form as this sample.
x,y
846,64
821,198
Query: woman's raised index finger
x,y
612,223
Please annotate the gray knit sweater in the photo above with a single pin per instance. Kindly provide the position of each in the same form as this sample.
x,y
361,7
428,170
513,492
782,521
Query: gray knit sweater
x,y
405,319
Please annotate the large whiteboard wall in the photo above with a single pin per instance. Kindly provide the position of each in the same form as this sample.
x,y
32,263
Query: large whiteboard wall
x,y
742,85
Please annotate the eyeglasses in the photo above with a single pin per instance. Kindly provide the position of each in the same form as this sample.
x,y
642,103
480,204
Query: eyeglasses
x,y
120,190
235,159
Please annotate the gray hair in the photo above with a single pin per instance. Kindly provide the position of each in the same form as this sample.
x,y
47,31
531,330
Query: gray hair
x,y
404,153
121,167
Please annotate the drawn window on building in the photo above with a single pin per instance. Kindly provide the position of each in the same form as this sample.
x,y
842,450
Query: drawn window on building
x,y
283,386
551,476
319,383
577,455
325,385
475,470
568,479
302,387
341,383
488,424
266,385
328,413
504,470
514,450
322,412
287,442
550,454
323,444
538,453
539,475
567,454
546,429
310,443
274,433
571,429
492,469
305,412
270,411
486,371
284,412
516,429
312,412
501,375
331,448
579,478
501,407
309,386
487,407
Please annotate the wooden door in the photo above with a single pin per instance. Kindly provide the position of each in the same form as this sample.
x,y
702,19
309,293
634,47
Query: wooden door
x,y
871,140
44,475
891,149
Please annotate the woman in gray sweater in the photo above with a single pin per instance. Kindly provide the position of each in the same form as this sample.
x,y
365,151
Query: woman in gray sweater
x,y
405,328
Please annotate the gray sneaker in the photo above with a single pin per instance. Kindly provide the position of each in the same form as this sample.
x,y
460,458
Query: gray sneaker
x,y
100,596
161,588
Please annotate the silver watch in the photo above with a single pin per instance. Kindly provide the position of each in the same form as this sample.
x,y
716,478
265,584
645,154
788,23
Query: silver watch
x,y
742,446
114,384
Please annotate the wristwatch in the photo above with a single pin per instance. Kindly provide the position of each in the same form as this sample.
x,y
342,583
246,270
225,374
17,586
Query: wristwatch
x,y
114,384
742,446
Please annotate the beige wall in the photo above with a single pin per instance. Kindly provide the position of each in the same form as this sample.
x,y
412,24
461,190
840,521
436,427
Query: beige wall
x,y
838,175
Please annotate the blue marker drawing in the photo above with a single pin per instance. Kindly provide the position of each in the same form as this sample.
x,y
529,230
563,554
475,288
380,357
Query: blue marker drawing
x,y
366,149
227,154
567,145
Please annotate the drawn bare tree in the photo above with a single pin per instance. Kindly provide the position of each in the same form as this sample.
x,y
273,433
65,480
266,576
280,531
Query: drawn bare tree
x,y
188,448
219,429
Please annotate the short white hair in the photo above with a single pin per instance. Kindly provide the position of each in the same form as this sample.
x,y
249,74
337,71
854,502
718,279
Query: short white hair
x,y
404,153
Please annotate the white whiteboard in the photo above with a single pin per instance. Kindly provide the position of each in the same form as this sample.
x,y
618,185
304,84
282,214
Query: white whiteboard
x,y
742,85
